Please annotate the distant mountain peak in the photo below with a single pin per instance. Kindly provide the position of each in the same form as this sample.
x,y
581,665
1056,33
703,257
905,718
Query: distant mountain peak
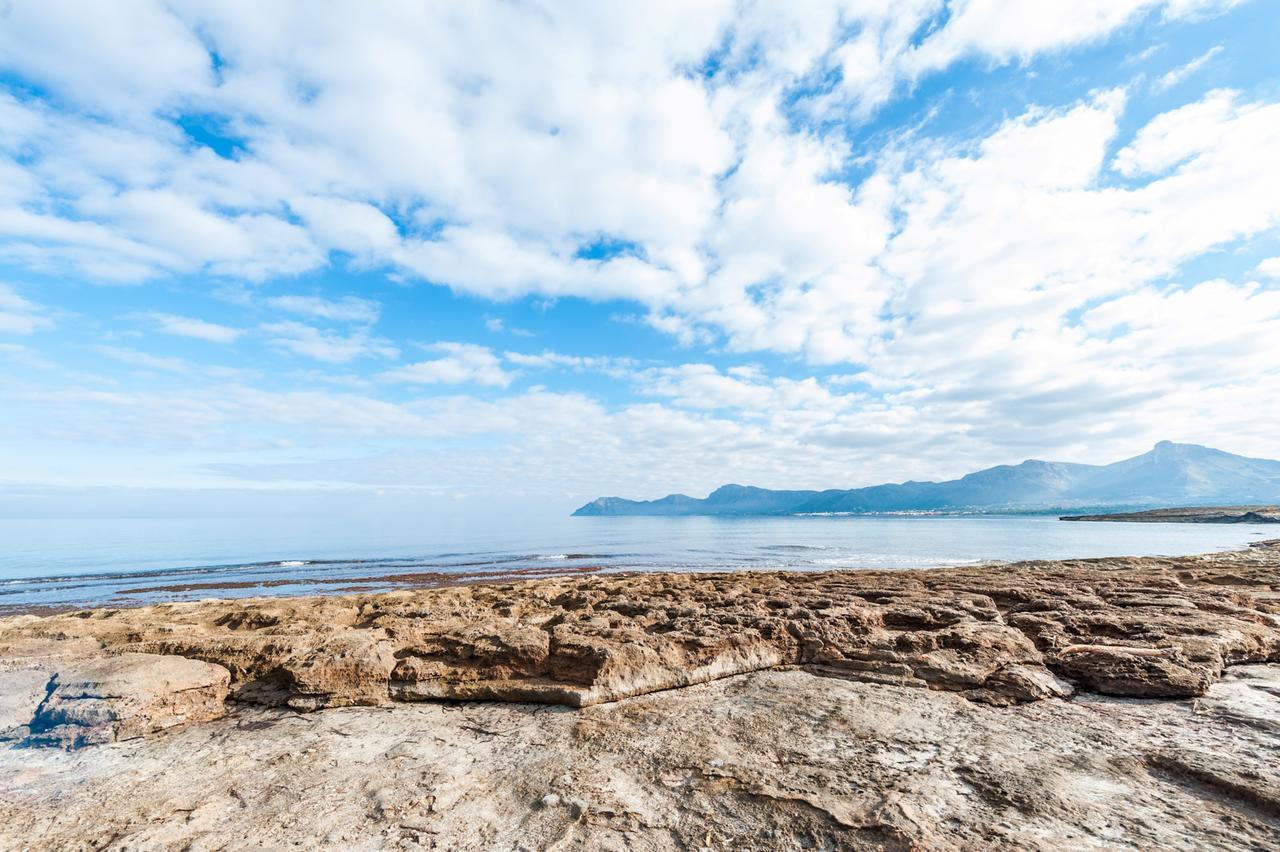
x,y
1175,447
1169,474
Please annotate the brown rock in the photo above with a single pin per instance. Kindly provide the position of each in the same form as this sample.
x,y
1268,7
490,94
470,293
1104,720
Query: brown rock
x,y
1137,672
994,634
339,671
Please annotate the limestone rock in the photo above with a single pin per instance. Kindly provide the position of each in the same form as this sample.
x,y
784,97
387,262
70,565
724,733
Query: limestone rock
x,y
994,634
777,760
925,731
21,693
131,695
338,672
1138,672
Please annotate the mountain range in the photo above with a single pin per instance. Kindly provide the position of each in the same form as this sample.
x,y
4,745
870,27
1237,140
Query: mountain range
x,y
1168,475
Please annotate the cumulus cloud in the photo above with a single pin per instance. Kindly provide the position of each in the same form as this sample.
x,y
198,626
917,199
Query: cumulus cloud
x,y
702,162
547,129
702,386
989,259
107,72
355,227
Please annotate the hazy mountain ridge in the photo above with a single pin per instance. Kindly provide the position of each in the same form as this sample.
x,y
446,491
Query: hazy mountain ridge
x,y
1169,474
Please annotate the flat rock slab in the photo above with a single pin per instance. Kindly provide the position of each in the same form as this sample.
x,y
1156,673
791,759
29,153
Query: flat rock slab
x,y
777,760
125,696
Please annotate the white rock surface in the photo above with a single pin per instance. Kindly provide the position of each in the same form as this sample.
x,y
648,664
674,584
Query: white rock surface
x,y
769,760
121,697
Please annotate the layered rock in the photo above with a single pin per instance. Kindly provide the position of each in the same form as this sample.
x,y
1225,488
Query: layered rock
x,y
776,760
73,703
994,634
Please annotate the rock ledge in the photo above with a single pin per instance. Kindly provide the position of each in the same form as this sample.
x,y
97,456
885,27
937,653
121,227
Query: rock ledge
x,y
999,635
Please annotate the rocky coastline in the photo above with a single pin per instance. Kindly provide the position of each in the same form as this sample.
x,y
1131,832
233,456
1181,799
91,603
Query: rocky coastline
x,y
1268,514
949,708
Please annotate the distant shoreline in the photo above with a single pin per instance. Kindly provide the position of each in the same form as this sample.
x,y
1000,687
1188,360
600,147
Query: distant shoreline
x,y
1191,515
1168,474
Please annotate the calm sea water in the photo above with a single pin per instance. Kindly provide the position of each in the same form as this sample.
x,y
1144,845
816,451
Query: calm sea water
x,y
63,563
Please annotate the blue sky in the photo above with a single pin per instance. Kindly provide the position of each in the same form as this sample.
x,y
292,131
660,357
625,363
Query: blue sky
x,y
541,252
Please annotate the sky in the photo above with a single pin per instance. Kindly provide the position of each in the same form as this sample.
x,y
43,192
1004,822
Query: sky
x,y
531,253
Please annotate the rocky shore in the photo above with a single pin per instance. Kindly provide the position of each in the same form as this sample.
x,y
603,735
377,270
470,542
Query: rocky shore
x,y
1268,514
1005,705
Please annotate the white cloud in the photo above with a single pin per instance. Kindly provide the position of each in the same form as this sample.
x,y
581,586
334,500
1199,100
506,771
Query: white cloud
x,y
346,309
1197,9
25,356
504,138
703,386
990,244
546,359
459,363
328,346
495,265
197,328
1189,331
1008,31
1182,72
50,244
1174,137
352,226
134,358
19,315
980,287
108,72
250,245
570,447
496,325
788,412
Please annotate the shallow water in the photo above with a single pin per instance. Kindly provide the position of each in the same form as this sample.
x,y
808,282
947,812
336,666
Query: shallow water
x,y
61,562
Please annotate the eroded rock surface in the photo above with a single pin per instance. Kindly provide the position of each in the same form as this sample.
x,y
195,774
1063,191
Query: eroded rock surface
x,y
996,634
111,698
776,760
929,736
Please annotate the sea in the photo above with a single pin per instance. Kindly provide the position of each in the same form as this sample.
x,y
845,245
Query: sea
x,y
58,564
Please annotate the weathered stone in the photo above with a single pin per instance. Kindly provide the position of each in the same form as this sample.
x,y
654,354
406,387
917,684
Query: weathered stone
x,y
994,634
21,693
774,759
339,671
131,695
1137,672
777,760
